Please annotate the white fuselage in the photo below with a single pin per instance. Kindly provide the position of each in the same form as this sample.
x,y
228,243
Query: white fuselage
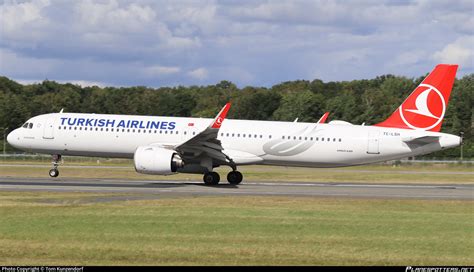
x,y
245,141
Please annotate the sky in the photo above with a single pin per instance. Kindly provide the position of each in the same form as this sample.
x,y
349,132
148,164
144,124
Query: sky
x,y
248,42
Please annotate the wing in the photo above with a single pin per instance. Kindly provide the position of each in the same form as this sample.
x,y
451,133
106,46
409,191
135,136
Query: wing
x,y
206,143
323,118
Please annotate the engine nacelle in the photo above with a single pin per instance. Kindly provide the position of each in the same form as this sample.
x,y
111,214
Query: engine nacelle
x,y
154,160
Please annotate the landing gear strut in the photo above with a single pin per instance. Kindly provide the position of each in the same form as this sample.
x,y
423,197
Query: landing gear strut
x,y
211,178
234,177
55,172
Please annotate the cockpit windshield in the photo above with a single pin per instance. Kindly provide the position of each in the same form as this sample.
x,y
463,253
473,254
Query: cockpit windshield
x,y
27,125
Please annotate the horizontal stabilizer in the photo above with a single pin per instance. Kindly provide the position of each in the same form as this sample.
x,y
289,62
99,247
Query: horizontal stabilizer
x,y
421,140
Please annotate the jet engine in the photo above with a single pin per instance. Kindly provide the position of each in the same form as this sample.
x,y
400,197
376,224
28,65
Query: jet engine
x,y
154,160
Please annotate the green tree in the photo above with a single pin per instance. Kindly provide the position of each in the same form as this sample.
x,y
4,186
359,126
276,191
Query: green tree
x,y
305,105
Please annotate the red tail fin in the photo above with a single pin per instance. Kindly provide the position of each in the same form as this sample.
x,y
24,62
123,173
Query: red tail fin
x,y
424,109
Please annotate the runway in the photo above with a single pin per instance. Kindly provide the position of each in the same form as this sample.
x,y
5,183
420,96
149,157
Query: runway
x,y
142,189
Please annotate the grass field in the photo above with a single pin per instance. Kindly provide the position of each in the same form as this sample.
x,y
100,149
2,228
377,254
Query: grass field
x,y
378,173
75,229
45,228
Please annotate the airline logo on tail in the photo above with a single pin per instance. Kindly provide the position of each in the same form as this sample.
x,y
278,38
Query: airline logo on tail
x,y
428,109
424,109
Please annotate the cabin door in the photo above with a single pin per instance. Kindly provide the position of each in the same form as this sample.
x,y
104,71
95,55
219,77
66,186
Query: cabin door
x,y
373,142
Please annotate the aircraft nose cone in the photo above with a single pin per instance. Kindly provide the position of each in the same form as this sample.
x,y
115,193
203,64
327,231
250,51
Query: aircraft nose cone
x,y
12,138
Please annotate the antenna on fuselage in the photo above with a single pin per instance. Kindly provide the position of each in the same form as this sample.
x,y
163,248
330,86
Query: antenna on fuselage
x,y
296,120
61,111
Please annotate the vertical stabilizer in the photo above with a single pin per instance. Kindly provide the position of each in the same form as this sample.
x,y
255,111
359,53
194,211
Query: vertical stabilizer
x,y
424,109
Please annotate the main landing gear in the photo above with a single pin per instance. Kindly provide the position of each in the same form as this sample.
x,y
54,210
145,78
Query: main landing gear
x,y
55,172
234,177
213,178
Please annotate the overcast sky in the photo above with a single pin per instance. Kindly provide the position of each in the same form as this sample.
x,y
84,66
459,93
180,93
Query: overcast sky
x,y
259,43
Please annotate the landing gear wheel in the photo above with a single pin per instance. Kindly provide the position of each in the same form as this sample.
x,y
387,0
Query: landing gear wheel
x,y
53,173
211,178
234,177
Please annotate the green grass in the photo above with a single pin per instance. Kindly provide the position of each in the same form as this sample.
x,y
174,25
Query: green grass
x,y
442,174
72,229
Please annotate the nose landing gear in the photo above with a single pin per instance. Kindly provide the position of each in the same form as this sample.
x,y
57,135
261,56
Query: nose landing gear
x,y
55,172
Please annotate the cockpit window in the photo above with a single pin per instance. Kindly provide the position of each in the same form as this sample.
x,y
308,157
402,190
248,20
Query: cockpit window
x,y
27,125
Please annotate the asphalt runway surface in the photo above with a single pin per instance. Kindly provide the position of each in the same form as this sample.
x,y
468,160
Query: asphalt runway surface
x,y
145,189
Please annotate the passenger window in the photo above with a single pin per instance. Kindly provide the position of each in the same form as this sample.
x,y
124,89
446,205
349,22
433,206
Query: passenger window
x,y
300,137
283,137
322,139
339,139
334,139
329,139
269,136
311,138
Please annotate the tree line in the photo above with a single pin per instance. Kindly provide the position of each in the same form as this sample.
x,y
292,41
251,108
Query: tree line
x,y
366,101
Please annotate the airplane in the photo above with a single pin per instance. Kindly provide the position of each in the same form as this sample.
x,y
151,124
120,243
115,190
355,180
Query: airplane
x,y
162,145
